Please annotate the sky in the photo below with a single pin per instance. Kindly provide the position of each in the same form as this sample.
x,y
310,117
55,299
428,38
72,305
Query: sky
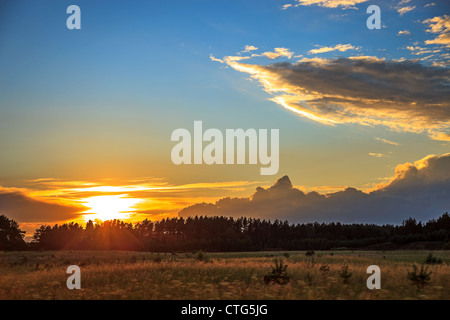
x,y
86,116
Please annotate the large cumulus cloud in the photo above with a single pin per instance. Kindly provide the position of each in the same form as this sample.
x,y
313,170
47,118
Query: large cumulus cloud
x,y
420,190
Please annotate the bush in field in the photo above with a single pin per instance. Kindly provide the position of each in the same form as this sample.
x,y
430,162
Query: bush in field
x,y
201,256
421,278
345,274
432,259
286,255
310,253
279,273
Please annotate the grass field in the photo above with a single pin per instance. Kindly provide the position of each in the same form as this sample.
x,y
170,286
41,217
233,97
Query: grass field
x,y
138,275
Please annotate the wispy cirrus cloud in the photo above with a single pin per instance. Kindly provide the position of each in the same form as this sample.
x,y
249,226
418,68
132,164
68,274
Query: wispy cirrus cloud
x,y
338,47
276,53
68,197
403,95
376,155
404,10
387,141
49,201
344,4
416,50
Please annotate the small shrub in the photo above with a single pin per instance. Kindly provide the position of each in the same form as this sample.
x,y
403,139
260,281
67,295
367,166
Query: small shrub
x,y
421,278
286,255
345,274
432,259
310,253
279,273
201,256
157,259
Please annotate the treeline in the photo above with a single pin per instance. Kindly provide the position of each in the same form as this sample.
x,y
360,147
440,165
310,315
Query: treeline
x,y
221,234
229,234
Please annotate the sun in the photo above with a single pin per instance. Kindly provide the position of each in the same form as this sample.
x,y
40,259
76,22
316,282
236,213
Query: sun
x,y
109,207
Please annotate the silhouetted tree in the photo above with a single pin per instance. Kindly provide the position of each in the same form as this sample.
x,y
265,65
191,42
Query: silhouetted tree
x,y
11,237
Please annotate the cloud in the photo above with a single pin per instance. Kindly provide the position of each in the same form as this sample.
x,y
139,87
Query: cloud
x,y
285,6
250,48
404,33
387,141
405,96
155,198
404,10
339,47
441,64
441,27
420,50
429,5
276,53
429,173
418,190
23,208
215,59
377,155
367,58
345,4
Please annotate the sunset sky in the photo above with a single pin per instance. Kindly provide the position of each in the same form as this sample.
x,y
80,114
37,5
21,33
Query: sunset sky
x,y
86,115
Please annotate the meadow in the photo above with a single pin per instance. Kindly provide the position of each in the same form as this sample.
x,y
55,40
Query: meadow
x,y
142,275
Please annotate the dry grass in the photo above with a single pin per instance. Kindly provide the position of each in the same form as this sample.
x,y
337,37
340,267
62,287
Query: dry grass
x,y
136,275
